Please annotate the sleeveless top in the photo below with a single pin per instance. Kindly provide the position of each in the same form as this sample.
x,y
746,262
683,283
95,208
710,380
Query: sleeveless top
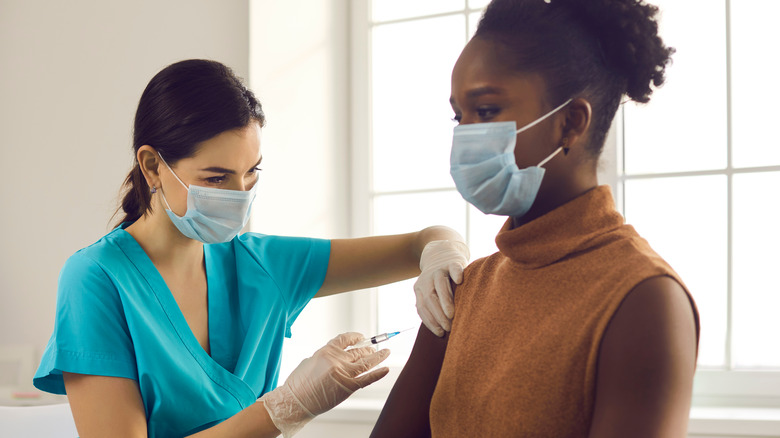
x,y
522,354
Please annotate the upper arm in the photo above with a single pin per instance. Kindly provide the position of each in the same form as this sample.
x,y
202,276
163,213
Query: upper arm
x,y
369,262
105,406
373,261
406,411
646,363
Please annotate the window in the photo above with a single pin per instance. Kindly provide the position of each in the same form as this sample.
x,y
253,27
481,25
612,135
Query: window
x,y
413,46
688,171
694,188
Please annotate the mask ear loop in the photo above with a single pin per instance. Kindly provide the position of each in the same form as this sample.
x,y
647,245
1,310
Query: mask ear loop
x,y
168,206
540,119
174,173
550,157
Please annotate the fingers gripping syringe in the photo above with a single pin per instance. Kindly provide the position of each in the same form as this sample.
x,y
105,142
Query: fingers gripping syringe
x,y
373,340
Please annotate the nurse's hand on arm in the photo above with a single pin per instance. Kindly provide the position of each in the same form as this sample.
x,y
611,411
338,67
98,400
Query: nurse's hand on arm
x,y
437,254
112,406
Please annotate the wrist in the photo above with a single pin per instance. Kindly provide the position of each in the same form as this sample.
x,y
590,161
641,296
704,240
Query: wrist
x,y
264,423
285,411
434,233
444,252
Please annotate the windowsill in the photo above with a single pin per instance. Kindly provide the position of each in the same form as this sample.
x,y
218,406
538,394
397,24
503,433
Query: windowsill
x,y
30,398
355,410
710,421
748,422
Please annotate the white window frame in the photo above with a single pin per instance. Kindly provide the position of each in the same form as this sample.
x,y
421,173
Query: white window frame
x,y
712,387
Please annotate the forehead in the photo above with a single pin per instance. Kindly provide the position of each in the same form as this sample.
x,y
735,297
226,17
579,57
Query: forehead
x,y
485,63
232,147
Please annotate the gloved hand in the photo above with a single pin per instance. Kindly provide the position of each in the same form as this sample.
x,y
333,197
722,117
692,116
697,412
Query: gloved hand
x,y
323,381
440,262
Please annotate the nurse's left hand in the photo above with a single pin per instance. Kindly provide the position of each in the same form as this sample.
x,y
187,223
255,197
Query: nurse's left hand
x,y
441,261
323,381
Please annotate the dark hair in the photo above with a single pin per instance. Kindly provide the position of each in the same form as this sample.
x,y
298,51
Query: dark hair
x,y
595,49
183,105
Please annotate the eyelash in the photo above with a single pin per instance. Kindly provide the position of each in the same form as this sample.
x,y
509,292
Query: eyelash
x,y
221,179
486,113
482,113
216,179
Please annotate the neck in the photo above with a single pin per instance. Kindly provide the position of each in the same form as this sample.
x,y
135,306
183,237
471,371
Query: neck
x,y
164,244
551,197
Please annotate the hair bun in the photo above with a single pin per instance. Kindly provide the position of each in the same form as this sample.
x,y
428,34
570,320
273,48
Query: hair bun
x,y
627,32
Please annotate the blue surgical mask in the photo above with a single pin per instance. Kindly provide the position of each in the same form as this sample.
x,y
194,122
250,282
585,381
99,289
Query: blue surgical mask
x,y
482,164
213,215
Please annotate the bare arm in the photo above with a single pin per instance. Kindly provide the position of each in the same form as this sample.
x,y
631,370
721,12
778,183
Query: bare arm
x,y
373,261
112,406
406,411
646,364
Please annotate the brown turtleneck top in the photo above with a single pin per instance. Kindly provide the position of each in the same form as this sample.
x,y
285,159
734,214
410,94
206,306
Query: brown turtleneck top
x,y
522,354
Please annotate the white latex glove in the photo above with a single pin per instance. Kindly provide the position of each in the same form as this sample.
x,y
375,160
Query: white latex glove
x,y
323,381
440,262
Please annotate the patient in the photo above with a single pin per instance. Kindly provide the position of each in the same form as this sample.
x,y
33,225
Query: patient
x,y
576,327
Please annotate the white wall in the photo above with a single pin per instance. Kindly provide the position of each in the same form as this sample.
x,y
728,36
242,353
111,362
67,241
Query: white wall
x,y
71,74
299,55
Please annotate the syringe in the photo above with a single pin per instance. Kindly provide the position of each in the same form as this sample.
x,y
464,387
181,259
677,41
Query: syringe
x,y
376,339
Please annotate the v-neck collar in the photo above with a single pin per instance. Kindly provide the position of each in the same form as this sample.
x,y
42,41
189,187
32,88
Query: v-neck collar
x,y
563,231
173,312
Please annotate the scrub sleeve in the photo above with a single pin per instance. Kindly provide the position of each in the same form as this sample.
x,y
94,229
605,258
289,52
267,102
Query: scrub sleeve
x,y
90,331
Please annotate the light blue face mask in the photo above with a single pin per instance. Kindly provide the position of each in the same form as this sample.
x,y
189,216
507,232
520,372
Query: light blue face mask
x,y
213,215
482,164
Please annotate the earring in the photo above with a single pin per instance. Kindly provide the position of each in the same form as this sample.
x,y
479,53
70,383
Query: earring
x,y
154,190
564,145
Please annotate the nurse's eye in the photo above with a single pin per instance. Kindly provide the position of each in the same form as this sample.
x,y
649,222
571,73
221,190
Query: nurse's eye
x,y
216,179
488,112
254,170
457,118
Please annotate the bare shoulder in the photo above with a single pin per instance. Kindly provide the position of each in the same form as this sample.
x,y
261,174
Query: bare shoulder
x,y
647,359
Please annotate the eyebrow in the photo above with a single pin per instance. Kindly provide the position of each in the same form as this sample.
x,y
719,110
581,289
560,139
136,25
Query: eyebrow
x,y
217,169
481,91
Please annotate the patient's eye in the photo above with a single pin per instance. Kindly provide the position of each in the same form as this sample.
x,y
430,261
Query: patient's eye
x,y
488,112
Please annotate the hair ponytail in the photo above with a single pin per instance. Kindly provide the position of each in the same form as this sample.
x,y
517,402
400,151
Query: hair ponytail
x,y
137,198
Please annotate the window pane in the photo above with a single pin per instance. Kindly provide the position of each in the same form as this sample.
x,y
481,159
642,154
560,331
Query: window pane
x,y
753,89
402,214
412,126
684,220
397,311
473,23
756,293
474,4
482,232
384,10
684,125
405,213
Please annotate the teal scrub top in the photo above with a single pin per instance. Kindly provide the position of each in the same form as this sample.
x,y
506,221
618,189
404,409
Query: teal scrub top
x,y
116,317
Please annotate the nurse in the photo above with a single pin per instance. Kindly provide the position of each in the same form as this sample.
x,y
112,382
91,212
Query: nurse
x,y
172,324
